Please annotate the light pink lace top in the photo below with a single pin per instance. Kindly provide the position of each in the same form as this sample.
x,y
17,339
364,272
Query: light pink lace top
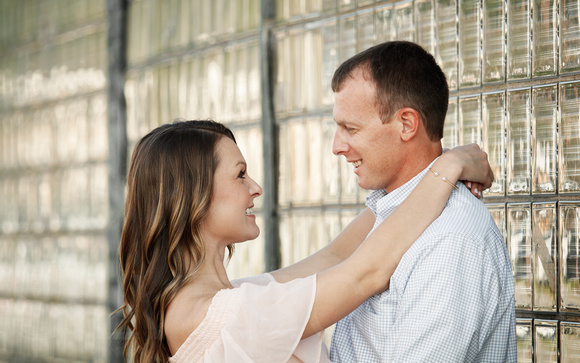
x,y
260,320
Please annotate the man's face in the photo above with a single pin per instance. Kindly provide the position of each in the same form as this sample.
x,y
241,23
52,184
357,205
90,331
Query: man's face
x,y
373,148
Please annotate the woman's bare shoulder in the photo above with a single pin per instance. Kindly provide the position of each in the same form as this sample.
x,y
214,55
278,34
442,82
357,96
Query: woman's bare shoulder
x,y
185,313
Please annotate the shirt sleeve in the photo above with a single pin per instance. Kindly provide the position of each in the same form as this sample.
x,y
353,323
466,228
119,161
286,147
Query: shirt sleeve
x,y
262,279
267,324
448,303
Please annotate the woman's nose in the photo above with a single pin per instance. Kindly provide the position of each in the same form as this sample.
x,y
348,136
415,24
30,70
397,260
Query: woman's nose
x,y
256,189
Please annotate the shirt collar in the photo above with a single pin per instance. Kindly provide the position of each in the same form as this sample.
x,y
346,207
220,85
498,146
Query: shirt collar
x,y
383,203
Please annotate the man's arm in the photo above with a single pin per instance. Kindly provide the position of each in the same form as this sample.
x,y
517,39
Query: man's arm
x,y
334,253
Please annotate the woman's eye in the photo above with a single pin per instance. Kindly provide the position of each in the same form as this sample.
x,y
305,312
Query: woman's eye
x,y
242,174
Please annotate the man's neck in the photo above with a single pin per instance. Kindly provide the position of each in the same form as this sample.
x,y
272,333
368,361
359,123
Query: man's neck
x,y
417,159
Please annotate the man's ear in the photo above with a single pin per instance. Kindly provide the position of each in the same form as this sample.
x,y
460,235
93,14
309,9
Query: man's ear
x,y
410,121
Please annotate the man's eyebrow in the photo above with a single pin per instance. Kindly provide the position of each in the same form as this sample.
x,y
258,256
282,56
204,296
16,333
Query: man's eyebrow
x,y
346,123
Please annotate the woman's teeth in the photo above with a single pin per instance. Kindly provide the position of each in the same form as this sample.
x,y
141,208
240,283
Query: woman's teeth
x,y
249,212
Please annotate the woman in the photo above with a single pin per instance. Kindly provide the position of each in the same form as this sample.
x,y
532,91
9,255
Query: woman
x,y
189,199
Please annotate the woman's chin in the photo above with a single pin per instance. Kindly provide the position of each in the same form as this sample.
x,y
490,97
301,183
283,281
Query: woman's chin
x,y
250,236
256,234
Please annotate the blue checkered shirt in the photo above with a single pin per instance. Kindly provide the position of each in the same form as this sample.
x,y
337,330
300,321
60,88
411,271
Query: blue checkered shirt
x,y
451,298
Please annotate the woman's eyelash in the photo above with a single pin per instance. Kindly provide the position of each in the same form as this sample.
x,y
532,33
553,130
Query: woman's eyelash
x,y
242,174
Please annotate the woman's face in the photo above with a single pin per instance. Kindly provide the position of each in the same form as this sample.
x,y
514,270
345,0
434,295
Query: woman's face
x,y
230,218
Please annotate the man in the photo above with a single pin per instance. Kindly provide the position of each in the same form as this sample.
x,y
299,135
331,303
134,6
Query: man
x,y
451,299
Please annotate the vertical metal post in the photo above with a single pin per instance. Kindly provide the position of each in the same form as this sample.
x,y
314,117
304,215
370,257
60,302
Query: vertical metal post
x,y
269,135
117,135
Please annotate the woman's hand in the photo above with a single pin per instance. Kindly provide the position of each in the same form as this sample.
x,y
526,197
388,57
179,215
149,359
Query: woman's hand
x,y
475,169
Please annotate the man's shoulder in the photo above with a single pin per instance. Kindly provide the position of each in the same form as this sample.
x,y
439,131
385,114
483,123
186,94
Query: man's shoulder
x,y
464,238
467,215
464,227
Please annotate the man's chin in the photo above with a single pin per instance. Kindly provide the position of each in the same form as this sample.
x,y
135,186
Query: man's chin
x,y
366,185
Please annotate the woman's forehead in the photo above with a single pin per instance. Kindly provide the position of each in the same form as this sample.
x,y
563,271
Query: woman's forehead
x,y
228,152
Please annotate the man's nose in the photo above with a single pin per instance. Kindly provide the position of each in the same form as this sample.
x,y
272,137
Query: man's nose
x,y
339,147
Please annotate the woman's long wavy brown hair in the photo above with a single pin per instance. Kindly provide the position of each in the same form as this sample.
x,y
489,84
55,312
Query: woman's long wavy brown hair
x,y
169,190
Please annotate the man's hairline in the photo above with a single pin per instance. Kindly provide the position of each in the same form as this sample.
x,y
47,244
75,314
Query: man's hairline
x,y
366,71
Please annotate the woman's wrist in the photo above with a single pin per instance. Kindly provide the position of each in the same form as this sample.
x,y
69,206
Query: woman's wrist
x,y
443,178
447,169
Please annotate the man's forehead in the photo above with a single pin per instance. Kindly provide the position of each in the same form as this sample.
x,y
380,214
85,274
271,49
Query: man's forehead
x,y
340,120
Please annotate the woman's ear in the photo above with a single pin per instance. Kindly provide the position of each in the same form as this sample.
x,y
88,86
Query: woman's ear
x,y
410,121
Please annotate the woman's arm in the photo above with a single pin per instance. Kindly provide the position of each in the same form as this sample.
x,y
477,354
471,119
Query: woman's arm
x,y
342,288
350,238
339,249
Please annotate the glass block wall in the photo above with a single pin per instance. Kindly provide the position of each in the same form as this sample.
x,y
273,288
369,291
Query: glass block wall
x,y
196,59
53,181
513,69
